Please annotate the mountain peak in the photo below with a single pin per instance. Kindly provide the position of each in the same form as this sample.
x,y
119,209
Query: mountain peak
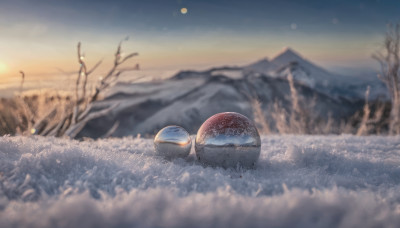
x,y
285,59
288,54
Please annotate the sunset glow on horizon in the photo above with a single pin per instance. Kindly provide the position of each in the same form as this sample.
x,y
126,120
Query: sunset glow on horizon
x,y
3,68
41,37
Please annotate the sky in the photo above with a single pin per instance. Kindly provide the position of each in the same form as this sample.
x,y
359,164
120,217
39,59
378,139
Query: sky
x,y
40,36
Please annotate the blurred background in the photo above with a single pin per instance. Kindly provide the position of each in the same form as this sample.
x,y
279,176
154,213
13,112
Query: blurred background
x,y
294,67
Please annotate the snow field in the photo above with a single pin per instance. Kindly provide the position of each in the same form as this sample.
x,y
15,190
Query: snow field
x,y
299,181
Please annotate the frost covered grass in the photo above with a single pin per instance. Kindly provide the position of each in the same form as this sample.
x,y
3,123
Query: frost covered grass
x,y
299,181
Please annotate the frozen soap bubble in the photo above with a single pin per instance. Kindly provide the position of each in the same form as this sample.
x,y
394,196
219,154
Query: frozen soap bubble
x,y
228,139
172,142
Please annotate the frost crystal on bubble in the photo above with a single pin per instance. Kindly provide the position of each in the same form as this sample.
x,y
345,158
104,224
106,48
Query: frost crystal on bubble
x,y
228,139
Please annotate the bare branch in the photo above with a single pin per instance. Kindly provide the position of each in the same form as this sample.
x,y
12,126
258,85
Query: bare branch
x,y
67,117
111,130
22,81
95,66
128,57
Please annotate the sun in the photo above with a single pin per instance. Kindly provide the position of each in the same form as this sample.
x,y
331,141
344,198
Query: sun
x,y
3,67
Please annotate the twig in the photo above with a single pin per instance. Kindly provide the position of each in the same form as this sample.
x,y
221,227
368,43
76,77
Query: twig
x,y
22,81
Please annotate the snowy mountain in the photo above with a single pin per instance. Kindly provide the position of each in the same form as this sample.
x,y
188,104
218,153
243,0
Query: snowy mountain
x,y
303,71
289,61
190,97
263,66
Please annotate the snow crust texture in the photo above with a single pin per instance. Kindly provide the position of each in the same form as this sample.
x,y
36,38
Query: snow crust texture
x,y
299,181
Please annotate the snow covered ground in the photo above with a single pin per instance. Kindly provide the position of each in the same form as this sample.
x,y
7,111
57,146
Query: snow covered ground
x,y
300,181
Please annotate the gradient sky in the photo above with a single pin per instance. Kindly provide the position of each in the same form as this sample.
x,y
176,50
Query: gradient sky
x,y
40,36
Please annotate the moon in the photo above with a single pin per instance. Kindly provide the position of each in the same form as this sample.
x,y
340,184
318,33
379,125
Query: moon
x,y
184,10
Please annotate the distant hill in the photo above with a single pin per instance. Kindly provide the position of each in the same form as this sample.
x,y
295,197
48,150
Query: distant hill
x,y
308,73
190,97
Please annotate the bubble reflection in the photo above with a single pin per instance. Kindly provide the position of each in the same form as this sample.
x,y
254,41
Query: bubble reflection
x,y
228,139
172,142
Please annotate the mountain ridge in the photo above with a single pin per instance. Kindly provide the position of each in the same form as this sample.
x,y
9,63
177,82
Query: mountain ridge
x,y
189,97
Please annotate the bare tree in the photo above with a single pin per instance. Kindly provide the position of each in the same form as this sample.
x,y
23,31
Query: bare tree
x,y
75,114
389,60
